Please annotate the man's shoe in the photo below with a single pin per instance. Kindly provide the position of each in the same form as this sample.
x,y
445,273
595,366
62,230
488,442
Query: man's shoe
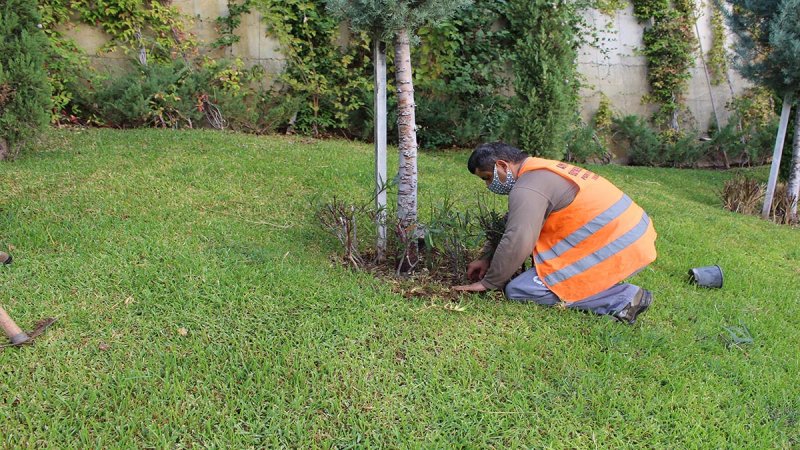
x,y
5,258
637,306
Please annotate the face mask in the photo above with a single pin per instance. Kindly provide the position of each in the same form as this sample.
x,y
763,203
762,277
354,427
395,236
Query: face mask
x,y
502,188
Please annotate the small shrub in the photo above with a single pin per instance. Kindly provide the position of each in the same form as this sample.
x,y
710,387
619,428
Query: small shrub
x,y
670,148
186,94
760,143
680,150
157,95
257,111
643,143
753,113
724,143
492,225
24,88
781,204
449,241
743,195
604,117
340,219
585,145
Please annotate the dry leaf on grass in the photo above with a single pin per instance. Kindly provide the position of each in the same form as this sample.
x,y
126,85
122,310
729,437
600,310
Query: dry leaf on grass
x,y
454,307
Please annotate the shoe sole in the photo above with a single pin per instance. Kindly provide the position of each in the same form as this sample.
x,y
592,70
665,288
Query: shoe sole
x,y
644,305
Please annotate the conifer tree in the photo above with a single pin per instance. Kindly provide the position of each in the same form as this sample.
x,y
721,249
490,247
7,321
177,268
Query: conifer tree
x,y
24,87
768,53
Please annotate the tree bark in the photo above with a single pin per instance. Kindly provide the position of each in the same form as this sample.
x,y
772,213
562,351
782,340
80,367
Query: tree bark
x,y
407,145
776,156
793,189
379,61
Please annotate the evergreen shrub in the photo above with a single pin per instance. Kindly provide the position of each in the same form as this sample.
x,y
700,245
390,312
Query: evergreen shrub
x,y
181,94
24,88
545,74
584,144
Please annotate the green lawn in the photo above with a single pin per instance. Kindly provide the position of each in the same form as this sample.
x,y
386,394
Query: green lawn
x,y
128,237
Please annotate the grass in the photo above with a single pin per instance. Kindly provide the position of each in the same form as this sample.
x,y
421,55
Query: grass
x,y
133,239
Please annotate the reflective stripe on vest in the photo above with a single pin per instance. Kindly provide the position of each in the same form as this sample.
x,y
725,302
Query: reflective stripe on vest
x,y
587,262
587,230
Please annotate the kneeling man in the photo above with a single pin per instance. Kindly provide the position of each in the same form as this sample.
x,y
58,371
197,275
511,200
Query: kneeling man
x,y
586,236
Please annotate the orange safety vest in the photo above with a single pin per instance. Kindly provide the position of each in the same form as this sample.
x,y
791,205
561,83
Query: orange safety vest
x,y
600,239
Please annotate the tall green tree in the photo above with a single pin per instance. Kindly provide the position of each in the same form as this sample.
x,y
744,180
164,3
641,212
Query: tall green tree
x,y
24,88
397,21
546,83
768,53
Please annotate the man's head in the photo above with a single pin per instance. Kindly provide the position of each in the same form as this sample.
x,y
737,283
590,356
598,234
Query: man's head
x,y
495,156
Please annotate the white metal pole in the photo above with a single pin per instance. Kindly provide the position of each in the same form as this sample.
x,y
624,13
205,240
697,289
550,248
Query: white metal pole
x,y
776,155
379,61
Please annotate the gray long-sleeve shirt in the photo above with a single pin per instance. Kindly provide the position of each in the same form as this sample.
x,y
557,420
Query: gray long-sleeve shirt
x,y
535,195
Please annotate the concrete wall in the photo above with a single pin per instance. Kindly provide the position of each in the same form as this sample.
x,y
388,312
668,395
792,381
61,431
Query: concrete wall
x,y
254,46
618,70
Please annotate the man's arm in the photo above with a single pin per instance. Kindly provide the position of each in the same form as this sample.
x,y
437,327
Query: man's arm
x,y
534,197
526,212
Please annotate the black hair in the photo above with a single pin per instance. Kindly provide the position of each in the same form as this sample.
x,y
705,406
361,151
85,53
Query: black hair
x,y
485,155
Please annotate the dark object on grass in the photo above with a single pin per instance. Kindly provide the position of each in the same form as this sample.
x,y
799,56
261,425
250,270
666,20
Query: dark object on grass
x,y
707,276
5,258
15,333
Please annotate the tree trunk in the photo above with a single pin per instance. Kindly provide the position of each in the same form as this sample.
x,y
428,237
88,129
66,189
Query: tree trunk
x,y
776,156
407,146
379,61
793,189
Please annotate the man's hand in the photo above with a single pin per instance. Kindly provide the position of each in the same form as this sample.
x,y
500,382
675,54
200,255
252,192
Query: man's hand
x,y
476,270
474,287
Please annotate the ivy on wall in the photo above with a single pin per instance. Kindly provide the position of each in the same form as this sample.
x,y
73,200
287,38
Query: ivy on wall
x,y
333,81
717,58
227,24
131,24
610,7
669,45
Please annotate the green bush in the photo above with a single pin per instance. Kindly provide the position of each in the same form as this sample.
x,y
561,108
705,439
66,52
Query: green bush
x,y
447,118
182,94
24,88
726,146
460,72
545,75
753,113
585,145
156,95
643,143
725,143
